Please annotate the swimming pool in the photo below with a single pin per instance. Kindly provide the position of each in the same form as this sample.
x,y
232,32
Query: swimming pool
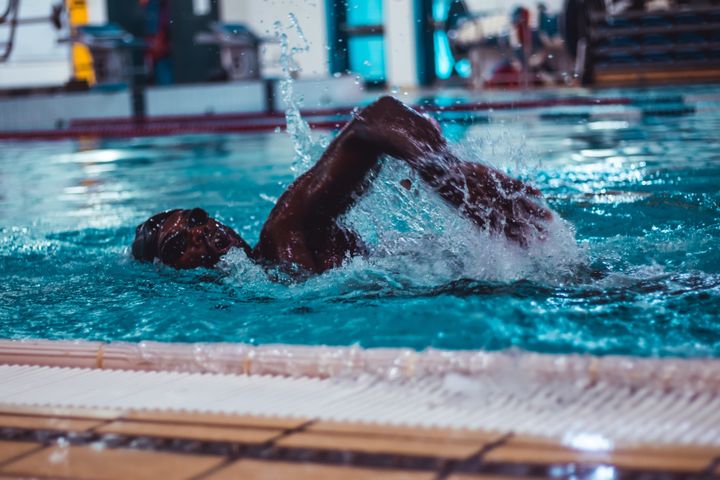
x,y
639,183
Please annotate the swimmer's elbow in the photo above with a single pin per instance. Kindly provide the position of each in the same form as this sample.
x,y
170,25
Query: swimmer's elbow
x,y
388,101
384,105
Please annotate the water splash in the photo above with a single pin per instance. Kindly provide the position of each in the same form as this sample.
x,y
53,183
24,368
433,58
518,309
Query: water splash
x,y
415,238
418,237
416,242
306,148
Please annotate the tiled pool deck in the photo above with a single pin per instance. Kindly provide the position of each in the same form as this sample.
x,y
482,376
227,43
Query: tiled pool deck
x,y
124,444
233,411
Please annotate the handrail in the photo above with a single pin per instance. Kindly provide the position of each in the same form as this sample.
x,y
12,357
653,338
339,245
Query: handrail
x,y
9,7
12,11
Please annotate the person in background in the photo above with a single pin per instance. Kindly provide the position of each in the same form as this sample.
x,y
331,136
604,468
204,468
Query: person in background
x,y
157,38
521,23
515,71
550,59
547,24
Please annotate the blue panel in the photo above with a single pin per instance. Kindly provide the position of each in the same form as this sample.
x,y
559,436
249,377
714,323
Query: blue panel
x,y
364,12
337,39
443,55
440,10
463,68
367,57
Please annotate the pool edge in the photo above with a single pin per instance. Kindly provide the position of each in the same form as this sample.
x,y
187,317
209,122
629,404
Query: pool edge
x,y
577,400
390,363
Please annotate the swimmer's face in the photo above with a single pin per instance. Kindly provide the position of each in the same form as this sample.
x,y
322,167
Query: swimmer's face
x,y
190,239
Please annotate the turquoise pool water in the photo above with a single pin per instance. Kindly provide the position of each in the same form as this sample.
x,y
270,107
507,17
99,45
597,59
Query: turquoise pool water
x,y
639,184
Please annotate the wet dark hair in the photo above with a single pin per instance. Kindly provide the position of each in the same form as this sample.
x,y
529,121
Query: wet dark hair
x,y
145,245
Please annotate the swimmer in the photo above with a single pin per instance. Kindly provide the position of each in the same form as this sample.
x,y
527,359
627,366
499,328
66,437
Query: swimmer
x,y
302,231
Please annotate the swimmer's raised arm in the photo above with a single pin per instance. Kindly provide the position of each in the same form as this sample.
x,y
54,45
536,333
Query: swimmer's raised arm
x,y
304,216
303,220
340,177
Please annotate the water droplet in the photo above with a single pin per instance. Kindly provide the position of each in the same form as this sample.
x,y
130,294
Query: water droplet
x,y
60,454
97,446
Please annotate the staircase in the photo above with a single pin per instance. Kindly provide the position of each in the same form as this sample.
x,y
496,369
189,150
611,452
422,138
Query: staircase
x,y
638,47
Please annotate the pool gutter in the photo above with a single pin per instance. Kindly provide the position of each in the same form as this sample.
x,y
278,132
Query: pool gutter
x,y
349,362
573,399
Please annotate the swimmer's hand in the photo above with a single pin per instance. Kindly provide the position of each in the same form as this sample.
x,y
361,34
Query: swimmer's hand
x,y
488,197
496,201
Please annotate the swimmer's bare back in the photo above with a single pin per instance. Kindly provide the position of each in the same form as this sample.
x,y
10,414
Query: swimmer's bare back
x,y
302,230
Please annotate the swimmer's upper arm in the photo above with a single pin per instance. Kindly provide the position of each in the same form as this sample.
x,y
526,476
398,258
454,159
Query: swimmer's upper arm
x,y
386,127
322,193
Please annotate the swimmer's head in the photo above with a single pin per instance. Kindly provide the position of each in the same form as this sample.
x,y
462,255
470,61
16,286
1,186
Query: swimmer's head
x,y
185,239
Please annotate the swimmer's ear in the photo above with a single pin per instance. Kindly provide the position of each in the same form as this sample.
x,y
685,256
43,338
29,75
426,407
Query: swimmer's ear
x,y
145,247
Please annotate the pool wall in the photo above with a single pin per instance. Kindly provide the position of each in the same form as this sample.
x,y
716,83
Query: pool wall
x,y
73,113
344,362
327,105
582,402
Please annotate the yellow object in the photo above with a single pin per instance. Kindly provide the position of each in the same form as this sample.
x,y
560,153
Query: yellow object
x,y
82,59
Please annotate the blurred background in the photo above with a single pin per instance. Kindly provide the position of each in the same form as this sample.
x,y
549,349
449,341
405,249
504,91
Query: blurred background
x,y
145,58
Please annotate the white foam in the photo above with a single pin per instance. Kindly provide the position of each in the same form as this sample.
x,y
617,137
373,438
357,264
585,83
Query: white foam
x,y
417,234
416,240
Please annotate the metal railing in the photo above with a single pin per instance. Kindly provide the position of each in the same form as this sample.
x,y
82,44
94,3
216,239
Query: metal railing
x,y
10,16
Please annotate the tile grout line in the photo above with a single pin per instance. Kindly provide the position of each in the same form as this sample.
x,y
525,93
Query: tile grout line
x,y
709,471
452,465
101,423
268,445
46,445
20,456
52,477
